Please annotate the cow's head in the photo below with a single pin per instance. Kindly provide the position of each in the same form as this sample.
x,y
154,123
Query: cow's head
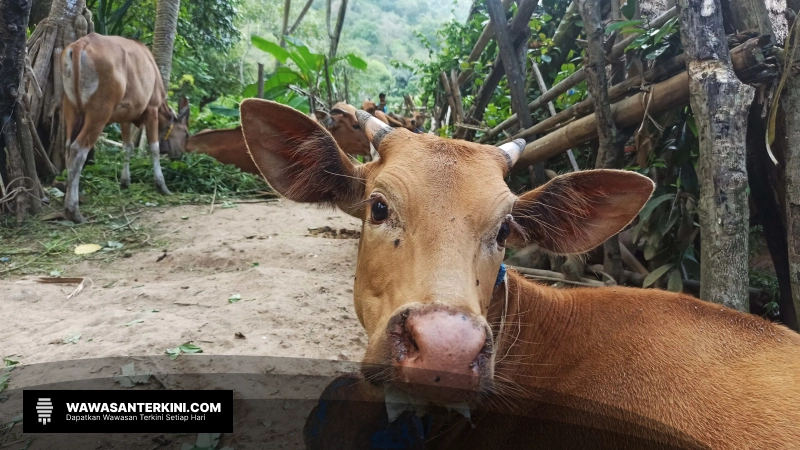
x,y
437,217
369,106
341,122
173,129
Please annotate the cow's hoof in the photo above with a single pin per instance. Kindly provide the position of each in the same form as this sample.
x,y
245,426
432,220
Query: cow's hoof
x,y
74,216
124,184
164,190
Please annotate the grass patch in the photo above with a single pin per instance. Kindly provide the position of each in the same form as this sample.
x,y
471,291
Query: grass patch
x,y
113,215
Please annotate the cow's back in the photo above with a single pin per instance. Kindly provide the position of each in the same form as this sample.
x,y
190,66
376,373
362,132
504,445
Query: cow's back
x,y
655,357
111,73
226,146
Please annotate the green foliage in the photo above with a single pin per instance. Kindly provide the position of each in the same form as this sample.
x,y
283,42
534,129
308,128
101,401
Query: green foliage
x,y
193,174
308,71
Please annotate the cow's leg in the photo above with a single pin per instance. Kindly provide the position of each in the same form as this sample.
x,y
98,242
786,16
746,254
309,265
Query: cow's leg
x,y
78,151
127,147
155,152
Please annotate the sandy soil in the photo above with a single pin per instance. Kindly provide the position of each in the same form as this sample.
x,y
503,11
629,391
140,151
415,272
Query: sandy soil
x,y
297,301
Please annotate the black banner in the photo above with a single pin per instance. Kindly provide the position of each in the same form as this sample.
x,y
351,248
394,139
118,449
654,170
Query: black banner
x,y
136,411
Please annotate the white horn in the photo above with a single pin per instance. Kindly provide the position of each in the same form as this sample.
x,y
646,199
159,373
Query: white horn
x,y
512,151
373,128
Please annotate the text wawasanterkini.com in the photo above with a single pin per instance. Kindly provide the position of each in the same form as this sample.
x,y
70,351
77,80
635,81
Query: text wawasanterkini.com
x,y
140,411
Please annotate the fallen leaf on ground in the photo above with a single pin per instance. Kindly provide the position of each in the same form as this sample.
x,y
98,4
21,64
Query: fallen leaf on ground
x,y
86,249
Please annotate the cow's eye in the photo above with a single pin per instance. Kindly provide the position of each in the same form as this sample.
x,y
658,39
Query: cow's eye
x,y
502,235
356,127
380,211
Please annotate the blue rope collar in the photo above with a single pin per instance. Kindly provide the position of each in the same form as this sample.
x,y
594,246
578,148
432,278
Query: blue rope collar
x,y
501,275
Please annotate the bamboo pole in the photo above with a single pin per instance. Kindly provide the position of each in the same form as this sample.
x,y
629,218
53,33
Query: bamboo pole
x,y
543,88
663,96
573,80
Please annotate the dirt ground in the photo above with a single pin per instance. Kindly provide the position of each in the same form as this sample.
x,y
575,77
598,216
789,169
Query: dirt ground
x,y
296,301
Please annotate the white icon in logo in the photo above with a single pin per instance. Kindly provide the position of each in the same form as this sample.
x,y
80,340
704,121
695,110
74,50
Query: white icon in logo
x,y
44,408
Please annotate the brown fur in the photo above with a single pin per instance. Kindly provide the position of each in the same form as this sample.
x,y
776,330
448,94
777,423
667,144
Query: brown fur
x,y
109,79
684,369
228,146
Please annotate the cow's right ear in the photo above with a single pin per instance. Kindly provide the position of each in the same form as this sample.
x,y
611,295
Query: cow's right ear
x,y
299,158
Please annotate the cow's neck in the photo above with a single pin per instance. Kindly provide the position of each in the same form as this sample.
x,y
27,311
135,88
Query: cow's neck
x,y
538,320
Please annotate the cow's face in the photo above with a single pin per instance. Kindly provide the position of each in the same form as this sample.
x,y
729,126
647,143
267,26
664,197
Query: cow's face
x,y
437,217
173,130
341,122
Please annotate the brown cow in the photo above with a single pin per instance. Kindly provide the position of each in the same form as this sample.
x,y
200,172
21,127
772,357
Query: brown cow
x,y
437,217
228,146
109,79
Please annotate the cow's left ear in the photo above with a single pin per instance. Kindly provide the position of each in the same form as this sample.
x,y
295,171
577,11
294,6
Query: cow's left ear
x,y
324,118
183,110
299,158
575,213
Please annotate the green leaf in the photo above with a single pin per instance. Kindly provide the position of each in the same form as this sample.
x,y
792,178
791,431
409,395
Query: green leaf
x,y
652,205
270,47
173,353
134,322
72,339
692,125
650,251
234,298
667,28
190,348
617,25
10,362
356,62
653,276
225,111
629,9
675,283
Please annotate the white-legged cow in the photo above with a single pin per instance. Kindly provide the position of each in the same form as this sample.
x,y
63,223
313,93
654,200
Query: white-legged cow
x,y
437,216
110,79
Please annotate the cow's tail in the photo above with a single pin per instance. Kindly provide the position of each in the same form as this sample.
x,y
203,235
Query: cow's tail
x,y
80,116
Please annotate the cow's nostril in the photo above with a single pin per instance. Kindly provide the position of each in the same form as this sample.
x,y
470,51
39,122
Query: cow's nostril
x,y
413,343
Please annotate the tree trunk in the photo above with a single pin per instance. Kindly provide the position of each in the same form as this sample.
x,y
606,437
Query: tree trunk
x,y
763,176
336,32
164,37
68,21
609,154
40,9
791,107
15,176
719,103
514,74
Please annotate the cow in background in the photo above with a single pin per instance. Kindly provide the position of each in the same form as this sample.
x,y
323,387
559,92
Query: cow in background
x,y
110,79
228,146
413,123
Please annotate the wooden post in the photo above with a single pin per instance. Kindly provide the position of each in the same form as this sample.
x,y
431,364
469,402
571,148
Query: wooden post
x,y
448,91
328,83
791,107
459,111
609,153
514,75
519,32
260,82
719,102
346,87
